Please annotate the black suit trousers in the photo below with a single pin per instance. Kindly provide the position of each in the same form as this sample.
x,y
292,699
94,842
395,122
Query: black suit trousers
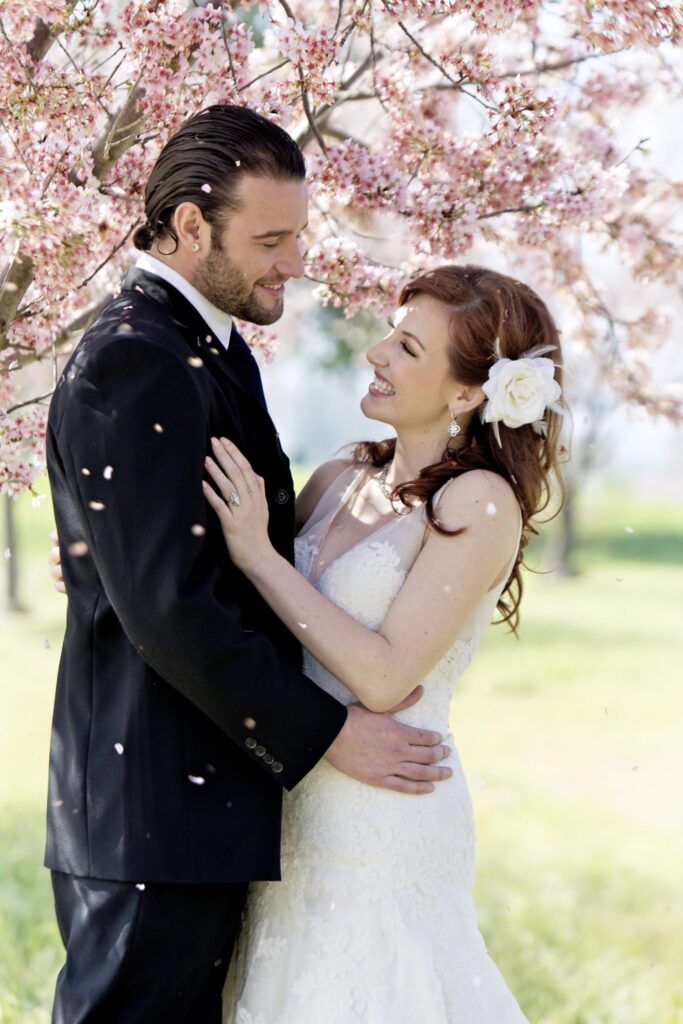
x,y
147,954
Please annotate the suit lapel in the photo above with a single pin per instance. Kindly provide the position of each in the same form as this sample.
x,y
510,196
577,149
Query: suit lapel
x,y
237,362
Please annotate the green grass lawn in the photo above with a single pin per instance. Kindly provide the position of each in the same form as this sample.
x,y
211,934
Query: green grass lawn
x,y
570,736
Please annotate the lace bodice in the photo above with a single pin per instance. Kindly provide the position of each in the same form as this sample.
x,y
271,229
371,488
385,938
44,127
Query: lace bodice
x,y
365,580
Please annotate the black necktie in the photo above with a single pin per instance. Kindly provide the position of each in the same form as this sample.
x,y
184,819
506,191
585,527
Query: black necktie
x,y
241,355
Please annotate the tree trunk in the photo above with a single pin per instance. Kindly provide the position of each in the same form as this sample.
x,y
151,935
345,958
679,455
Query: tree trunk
x,y
566,565
12,568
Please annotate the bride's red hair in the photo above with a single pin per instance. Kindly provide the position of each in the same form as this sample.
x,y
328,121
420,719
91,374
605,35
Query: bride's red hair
x,y
488,307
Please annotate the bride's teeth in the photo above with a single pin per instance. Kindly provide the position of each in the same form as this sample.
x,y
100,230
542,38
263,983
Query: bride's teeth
x,y
382,386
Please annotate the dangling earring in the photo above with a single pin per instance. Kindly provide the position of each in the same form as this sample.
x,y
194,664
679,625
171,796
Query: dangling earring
x,y
195,247
454,427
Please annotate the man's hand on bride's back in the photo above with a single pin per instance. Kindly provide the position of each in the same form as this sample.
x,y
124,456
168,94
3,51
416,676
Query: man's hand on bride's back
x,y
55,564
380,751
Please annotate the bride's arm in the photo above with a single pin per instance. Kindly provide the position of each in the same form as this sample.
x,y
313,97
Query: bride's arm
x,y
449,577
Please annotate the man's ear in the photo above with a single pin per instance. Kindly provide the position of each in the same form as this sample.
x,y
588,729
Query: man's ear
x,y
194,233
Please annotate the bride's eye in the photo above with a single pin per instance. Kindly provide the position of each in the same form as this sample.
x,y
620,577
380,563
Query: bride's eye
x,y
410,352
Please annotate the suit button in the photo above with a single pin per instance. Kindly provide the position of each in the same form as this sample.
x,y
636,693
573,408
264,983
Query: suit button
x,y
250,743
282,497
268,759
260,751
277,767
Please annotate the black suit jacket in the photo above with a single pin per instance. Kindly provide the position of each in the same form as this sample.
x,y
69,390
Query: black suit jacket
x,y
181,710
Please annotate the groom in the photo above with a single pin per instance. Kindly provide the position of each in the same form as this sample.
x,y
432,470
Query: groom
x,y
181,711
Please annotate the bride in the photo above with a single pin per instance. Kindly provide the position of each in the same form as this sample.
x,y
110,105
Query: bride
x,y
404,552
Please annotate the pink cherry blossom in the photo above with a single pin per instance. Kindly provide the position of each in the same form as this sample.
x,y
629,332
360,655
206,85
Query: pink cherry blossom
x,y
434,130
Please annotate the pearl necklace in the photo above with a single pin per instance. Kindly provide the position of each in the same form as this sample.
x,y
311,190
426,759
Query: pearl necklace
x,y
382,480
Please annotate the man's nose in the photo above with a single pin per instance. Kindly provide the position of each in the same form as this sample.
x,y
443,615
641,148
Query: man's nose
x,y
292,263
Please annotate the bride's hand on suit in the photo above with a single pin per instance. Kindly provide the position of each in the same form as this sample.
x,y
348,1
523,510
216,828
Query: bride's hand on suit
x,y
240,504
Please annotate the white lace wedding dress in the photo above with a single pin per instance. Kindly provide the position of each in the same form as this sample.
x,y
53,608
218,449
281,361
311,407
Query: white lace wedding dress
x,y
373,921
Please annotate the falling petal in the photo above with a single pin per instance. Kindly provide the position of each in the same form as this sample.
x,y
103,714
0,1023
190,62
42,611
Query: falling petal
x,y
57,803
196,780
119,748
96,506
214,351
195,361
85,471
238,163
211,768
206,188
38,500
628,529
108,472
302,625
78,548
46,643
158,427
635,768
491,510
198,530
209,338
217,963
140,886
7,553
126,329
249,723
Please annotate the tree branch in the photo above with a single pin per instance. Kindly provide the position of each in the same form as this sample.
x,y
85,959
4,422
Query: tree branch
x,y
119,134
78,325
30,401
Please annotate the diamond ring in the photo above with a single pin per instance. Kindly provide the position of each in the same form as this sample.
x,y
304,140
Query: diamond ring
x,y
234,499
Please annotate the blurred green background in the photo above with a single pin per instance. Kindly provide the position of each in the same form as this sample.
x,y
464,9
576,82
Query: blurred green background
x,y
571,739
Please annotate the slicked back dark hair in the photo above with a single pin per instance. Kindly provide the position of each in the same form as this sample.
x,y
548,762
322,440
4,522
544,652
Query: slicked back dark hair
x,y
204,162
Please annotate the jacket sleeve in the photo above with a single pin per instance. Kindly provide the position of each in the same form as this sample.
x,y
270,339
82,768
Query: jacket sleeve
x,y
131,432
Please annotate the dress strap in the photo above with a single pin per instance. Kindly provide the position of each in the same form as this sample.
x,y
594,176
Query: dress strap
x,y
337,493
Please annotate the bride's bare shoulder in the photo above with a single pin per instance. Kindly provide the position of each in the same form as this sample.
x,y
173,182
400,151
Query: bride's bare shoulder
x,y
318,482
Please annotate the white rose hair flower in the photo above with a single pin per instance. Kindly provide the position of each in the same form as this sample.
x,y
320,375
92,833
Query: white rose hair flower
x,y
520,390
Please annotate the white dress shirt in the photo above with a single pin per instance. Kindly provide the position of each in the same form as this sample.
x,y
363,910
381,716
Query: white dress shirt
x,y
219,322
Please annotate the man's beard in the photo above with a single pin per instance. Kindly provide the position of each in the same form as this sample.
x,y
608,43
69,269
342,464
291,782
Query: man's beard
x,y
223,284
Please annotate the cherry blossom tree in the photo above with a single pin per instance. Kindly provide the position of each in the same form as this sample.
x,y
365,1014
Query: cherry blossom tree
x,y
431,128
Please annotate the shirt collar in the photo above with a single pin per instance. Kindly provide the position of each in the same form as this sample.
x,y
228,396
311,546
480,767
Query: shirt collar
x,y
219,322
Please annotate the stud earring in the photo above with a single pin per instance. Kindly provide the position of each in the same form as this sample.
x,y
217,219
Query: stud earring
x,y
454,427
195,247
